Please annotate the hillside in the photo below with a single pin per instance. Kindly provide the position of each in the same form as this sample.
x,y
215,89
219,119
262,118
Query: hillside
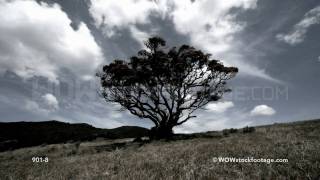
x,y
24,134
173,160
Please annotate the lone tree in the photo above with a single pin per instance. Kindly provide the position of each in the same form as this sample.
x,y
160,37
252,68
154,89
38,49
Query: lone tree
x,y
165,86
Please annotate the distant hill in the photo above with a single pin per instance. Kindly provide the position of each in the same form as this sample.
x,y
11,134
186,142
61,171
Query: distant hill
x,y
24,134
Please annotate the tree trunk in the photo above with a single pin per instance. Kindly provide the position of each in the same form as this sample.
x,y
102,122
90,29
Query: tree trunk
x,y
161,132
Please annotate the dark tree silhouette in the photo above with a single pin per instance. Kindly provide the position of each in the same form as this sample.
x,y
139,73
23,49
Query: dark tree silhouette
x,y
165,86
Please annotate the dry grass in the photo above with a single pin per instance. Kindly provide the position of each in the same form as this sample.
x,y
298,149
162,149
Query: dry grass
x,y
184,159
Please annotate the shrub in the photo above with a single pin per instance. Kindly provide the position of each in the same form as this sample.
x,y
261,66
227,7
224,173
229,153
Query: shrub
x,y
248,129
138,139
226,132
232,130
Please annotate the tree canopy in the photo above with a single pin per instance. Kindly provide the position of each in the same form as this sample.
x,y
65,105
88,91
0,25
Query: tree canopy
x,y
165,85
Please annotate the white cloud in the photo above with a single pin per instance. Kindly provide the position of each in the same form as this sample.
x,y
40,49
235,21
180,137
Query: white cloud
x,y
219,107
113,15
262,110
212,122
208,23
235,118
299,31
216,30
50,101
48,104
37,40
35,108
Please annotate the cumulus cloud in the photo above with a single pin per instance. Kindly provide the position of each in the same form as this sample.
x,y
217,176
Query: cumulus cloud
x,y
262,110
113,15
35,108
50,101
211,122
37,40
219,107
209,24
46,105
208,28
299,31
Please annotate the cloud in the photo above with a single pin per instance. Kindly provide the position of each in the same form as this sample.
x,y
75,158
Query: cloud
x,y
215,31
113,15
299,31
219,118
37,40
210,25
48,104
219,107
207,121
34,107
50,101
208,28
262,110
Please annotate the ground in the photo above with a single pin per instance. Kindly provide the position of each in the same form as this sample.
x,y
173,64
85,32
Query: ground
x,y
180,159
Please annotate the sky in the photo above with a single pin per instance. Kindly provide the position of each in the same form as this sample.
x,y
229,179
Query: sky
x,y
50,51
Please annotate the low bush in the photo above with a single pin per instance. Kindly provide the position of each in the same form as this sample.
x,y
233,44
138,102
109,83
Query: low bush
x,y
248,129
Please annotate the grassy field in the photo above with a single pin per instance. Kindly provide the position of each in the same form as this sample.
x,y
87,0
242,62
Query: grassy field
x,y
182,159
